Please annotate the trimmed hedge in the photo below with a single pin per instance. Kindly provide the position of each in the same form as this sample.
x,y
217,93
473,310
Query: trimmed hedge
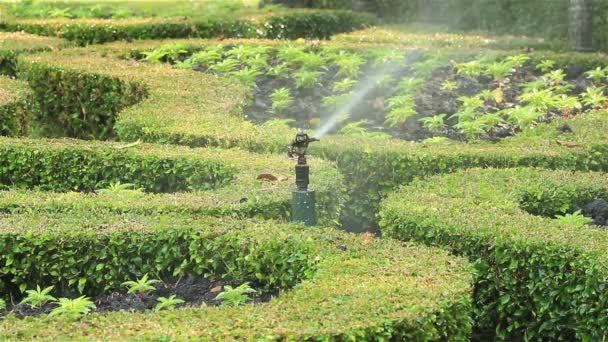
x,y
13,113
12,44
291,25
537,278
350,289
69,165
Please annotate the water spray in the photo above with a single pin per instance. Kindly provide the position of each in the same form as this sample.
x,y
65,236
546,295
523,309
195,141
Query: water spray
x,y
303,198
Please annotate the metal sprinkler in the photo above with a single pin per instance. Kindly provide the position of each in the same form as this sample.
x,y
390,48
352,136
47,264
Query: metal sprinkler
x,y
303,198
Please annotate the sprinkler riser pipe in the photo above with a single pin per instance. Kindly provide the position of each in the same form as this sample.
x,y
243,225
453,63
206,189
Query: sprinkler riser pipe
x,y
303,206
302,177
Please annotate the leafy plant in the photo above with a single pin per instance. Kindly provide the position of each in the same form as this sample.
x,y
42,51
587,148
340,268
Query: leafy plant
x,y
472,128
523,116
576,219
235,296
290,53
336,101
281,99
409,85
555,77
434,123
226,66
73,309
38,297
598,74
449,85
311,61
141,286
167,303
306,79
2,304
543,100
349,65
499,71
207,57
545,65
344,85
471,69
247,76
280,70
568,104
516,61
398,116
594,97
169,53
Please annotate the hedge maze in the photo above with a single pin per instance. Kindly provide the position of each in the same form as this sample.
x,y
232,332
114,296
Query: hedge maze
x,y
140,157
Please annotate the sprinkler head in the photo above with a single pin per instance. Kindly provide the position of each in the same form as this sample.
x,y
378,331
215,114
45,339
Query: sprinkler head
x,y
299,146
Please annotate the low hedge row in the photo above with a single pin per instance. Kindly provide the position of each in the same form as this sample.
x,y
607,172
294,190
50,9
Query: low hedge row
x,y
348,288
13,106
537,278
292,24
231,176
14,43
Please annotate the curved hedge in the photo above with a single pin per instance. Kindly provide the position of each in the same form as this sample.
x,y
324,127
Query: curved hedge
x,y
13,104
537,278
229,176
12,44
350,288
290,25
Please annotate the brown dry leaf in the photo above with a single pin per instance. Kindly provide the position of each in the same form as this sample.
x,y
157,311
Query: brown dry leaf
x,y
282,179
568,144
216,289
268,177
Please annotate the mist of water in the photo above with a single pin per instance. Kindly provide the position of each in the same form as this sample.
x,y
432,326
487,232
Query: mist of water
x,y
363,88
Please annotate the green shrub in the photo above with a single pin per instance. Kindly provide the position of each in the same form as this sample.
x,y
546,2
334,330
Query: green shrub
x,y
14,43
537,278
290,25
14,116
348,288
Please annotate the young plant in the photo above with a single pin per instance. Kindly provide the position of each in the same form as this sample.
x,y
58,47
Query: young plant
x,y
167,303
207,57
235,296
543,100
166,53
398,116
336,101
226,66
311,61
449,85
247,76
290,53
410,85
305,79
357,129
281,99
349,65
598,74
577,219
471,129
344,85
555,77
38,297
280,70
435,123
471,69
594,97
141,286
73,309
516,61
2,304
59,13
545,65
523,116
568,104
499,71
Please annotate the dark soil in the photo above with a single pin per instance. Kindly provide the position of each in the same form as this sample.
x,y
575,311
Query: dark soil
x,y
194,291
598,211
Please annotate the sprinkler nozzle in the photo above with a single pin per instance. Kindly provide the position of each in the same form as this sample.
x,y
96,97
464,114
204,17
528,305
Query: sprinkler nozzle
x,y
299,146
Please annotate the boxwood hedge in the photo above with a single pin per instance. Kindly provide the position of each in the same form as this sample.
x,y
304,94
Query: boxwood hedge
x,y
229,176
13,106
291,24
537,278
349,288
